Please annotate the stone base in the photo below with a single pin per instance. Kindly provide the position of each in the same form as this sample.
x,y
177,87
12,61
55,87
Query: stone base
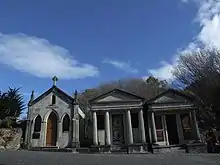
x,y
137,148
100,149
167,149
54,149
196,148
75,145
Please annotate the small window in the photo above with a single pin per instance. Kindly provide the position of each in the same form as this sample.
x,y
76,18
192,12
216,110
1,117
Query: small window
x,y
37,124
53,99
66,123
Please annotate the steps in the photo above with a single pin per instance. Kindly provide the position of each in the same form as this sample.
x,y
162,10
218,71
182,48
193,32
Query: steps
x,y
54,149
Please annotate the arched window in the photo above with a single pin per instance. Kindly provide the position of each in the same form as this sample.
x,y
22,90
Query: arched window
x,y
53,99
66,123
37,124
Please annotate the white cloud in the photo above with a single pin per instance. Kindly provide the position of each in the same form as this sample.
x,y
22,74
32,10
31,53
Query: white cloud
x,y
185,1
125,66
164,72
40,58
208,17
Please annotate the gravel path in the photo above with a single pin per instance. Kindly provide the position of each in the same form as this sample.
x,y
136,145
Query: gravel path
x,y
57,158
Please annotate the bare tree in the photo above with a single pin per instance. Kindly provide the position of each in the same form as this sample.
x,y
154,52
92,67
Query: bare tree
x,y
198,73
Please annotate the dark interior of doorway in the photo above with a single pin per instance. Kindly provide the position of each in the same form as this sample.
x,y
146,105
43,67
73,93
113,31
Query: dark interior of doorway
x,y
172,129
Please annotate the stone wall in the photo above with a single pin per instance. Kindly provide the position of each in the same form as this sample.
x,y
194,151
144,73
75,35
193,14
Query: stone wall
x,y
10,139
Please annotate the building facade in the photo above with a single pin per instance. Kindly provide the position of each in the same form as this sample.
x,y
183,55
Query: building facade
x,y
53,120
122,120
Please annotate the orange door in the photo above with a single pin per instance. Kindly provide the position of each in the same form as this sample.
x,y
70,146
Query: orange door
x,y
51,137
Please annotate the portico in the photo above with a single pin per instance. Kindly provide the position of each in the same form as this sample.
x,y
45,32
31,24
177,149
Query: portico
x,y
124,121
172,119
118,120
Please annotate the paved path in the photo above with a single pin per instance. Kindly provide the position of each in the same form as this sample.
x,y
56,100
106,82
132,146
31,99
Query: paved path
x,y
57,158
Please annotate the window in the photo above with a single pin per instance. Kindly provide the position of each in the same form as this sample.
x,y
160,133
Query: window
x,y
66,123
53,99
37,124
37,128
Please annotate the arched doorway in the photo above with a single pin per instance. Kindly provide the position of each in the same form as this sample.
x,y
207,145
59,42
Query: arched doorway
x,y
51,137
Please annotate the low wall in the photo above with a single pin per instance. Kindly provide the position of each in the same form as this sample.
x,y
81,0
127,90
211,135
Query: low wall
x,y
10,139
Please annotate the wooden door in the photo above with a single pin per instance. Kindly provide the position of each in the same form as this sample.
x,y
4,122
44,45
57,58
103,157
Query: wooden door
x,y
51,137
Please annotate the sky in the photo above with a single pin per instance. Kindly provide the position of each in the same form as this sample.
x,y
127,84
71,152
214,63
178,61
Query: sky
x,y
86,43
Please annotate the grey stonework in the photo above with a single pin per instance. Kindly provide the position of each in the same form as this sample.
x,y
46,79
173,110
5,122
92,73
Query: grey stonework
x,y
43,107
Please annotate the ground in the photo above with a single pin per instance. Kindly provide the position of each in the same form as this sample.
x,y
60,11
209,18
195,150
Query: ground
x,y
58,158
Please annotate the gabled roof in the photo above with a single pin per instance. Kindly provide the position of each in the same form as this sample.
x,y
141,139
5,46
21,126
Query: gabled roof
x,y
115,90
169,91
57,91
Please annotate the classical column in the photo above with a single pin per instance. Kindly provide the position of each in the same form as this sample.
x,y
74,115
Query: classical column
x,y
149,128
153,129
129,125
179,129
141,126
95,137
195,125
107,129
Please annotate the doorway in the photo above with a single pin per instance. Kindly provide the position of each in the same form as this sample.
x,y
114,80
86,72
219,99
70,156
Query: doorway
x,y
173,137
117,129
51,137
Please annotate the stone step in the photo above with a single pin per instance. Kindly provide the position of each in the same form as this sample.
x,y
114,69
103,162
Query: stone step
x,y
53,149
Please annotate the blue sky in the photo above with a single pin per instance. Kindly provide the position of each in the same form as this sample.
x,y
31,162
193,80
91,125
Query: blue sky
x,y
85,43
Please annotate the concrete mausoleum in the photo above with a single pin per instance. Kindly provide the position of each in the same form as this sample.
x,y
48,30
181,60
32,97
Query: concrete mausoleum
x,y
124,121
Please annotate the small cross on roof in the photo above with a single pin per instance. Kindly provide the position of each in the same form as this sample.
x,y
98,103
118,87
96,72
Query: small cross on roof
x,y
55,79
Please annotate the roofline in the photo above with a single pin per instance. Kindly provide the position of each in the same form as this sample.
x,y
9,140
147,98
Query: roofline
x,y
149,101
45,93
116,89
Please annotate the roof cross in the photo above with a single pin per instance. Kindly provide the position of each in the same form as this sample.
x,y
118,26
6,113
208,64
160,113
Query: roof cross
x,y
55,79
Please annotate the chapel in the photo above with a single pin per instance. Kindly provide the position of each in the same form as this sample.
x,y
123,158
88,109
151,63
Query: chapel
x,y
53,119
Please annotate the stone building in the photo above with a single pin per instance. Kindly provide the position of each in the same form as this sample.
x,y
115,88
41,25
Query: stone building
x,y
124,121
53,120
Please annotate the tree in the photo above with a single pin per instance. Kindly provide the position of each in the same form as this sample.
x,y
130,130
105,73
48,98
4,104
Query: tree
x,y
198,73
11,106
145,88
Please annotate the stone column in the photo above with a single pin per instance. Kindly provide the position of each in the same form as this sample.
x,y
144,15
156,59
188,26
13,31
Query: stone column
x,y
195,126
75,140
129,125
179,128
60,131
95,137
153,129
27,132
107,129
141,126
149,128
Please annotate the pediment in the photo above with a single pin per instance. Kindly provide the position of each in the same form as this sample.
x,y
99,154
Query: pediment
x,y
170,96
55,91
116,96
